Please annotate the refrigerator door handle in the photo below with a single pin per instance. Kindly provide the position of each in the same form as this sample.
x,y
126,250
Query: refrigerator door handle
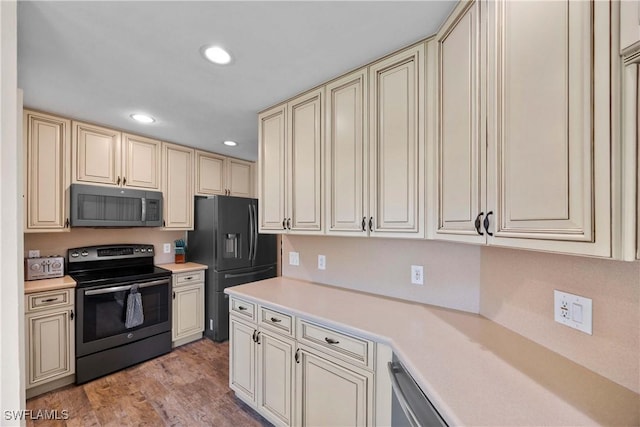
x,y
251,231
255,230
250,273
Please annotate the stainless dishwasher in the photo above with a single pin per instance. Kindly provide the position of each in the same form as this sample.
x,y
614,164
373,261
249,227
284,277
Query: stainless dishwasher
x,y
409,405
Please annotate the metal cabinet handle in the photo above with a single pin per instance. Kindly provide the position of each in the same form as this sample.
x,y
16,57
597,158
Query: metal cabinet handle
x,y
49,299
258,338
478,224
486,223
284,223
71,316
241,307
364,223
66,223
124,181
118,181
297,357
331,340
174,295
253,337
288,223
188,278
275,320
371,224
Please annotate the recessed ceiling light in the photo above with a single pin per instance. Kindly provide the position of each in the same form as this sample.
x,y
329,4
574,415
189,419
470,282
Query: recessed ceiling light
x,y
143,118
216,54
230,143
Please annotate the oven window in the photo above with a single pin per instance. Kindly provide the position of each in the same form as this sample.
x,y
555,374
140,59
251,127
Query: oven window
x,y
105,314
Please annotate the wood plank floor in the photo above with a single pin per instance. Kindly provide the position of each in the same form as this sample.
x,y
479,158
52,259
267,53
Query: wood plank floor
x,y
187,387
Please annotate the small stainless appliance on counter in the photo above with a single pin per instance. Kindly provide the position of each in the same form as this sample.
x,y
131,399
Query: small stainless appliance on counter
x,y
43,268
226,239
108,278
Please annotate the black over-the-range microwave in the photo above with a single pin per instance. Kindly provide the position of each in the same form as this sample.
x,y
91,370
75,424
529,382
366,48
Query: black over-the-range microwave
x,y
96,206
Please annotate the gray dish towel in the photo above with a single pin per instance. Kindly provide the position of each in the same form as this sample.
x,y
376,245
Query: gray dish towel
x,y
135,315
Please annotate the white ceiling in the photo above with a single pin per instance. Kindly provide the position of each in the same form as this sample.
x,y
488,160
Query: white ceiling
x,y
102,61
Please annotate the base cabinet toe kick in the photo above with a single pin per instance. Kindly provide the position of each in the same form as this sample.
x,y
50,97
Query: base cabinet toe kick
x,y
298,372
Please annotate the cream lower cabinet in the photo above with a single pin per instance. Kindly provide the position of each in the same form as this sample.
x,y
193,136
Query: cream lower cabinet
x,y
541,107
187,307
295,372
177,186
330,393
50,340
290,185
47,155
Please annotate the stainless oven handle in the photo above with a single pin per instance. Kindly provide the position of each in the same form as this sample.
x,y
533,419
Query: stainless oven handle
x,y
143,215
125,287
411,416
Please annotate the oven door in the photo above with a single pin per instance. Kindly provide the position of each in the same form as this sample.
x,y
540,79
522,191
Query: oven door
x,y
102,314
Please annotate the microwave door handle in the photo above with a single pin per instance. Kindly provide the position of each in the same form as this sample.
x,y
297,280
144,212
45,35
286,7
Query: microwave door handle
x,y
143,214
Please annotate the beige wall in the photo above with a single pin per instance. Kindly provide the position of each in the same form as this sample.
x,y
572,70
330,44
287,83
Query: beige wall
x,y
58,243
382,266
517,292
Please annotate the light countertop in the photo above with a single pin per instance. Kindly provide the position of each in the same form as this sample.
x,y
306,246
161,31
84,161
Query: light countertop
x,y
183,268
475,371
49,284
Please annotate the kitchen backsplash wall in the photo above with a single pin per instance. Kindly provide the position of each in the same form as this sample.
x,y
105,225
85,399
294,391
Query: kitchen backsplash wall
x,y
383,267
58,243
517,292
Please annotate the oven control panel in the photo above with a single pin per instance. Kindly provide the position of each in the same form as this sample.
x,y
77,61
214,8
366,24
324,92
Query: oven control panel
x,y
107,252
43,268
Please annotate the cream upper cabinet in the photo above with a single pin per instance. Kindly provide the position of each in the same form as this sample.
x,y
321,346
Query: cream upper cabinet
x,y
304,149
272,144
96,155
629,26
239,178
289,181
141,162
47,155
547,141
346,143
217,174
397,144
460,147
210,174
177,186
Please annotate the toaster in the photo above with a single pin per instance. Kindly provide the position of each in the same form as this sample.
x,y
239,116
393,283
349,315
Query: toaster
x,y
43,268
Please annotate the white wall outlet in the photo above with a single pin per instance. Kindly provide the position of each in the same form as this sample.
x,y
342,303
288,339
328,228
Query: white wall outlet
x,y
573,311
167,248
35,253
294,258
417,275
322,262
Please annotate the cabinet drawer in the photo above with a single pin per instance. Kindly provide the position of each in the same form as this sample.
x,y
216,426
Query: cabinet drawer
x,y
275,320
243,308
188,278
45,300
346,347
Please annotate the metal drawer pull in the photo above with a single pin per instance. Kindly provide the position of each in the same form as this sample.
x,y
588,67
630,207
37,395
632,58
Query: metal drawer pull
x,y
275,320
188,278
49,299
331,341
297,357
240,307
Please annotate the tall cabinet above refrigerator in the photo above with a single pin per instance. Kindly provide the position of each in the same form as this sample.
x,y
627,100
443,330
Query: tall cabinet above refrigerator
x,y
226,239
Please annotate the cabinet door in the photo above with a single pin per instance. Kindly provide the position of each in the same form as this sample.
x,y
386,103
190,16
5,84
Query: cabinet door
x,y
210,174
141,159
275,377
242,359
188,311
346,157
177,186
50,345
95,154
47,172
239,178
304,195
397,144
629,25
272,135
329,394
460,146
549,125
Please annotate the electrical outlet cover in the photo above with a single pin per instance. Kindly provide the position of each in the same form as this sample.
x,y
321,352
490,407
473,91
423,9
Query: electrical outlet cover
x,y
417,275
573,311
322,262
294,258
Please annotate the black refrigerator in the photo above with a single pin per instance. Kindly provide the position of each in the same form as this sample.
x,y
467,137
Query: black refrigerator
x,y
226,239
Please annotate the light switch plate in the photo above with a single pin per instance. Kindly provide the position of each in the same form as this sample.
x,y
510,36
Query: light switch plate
x,y
167,248
294,258
573,311
417,275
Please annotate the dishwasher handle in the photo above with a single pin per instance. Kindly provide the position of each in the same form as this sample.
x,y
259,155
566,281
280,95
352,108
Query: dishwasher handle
x,y
394,368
